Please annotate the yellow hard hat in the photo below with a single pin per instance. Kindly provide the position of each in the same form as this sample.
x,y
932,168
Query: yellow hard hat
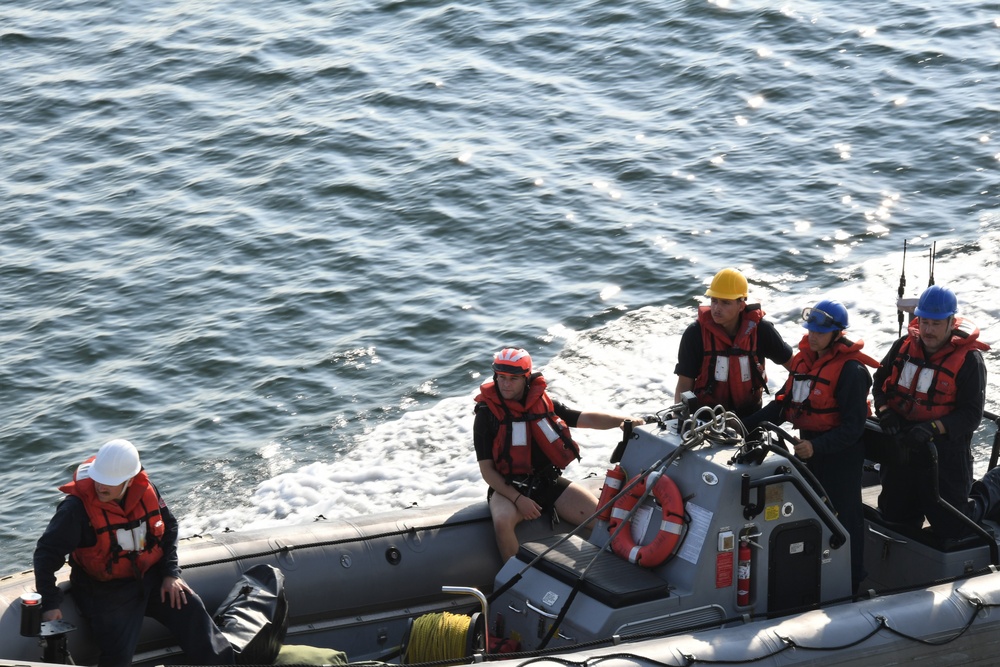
x,y
728,284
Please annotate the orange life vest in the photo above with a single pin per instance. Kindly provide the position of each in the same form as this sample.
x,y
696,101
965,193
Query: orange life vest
x,y
809,393
730,373
923,388
128,534
521,425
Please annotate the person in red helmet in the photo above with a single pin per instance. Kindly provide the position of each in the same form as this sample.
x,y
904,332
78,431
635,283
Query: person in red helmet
x,y
122,545
523,442
722,353
931,387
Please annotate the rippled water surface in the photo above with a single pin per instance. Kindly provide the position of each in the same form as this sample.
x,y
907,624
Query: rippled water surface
x,y
275,244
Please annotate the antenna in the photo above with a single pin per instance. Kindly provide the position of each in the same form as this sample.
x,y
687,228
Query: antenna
x,y
901,290
930,279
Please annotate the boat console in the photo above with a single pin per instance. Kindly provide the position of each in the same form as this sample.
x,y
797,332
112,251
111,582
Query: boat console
x,y
754,535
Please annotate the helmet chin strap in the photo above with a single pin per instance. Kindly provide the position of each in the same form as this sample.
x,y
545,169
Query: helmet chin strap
x,y
839,334
128,483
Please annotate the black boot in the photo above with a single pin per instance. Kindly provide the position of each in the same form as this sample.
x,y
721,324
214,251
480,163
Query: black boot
x,y
986,496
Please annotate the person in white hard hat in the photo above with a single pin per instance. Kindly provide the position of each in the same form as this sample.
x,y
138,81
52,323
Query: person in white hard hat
x,y
122,545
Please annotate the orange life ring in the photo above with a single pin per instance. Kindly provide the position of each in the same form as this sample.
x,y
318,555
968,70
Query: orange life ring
x,y
613,482
671,525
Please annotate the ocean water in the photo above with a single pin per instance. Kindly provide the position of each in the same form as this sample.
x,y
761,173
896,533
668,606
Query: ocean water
x,y
276,244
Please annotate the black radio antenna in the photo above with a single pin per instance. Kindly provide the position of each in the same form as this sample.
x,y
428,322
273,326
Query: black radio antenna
x,y
901,290
930,279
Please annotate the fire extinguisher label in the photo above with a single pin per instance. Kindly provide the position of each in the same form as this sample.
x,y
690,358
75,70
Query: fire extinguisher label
x,y
724,570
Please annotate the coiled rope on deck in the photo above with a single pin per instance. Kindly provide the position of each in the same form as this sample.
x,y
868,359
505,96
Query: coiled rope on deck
x,y
440,636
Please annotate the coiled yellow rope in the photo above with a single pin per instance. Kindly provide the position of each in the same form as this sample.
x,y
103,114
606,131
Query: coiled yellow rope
x,y
438,637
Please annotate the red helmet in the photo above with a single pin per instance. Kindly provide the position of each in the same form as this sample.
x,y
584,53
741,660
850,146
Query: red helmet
x,y
512,361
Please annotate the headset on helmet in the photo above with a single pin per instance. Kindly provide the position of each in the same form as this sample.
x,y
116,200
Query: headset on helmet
x,y
512,361
825,316
117,461
728,284
937,303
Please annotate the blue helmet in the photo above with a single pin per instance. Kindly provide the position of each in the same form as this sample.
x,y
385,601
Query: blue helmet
x,y
825,316
937,303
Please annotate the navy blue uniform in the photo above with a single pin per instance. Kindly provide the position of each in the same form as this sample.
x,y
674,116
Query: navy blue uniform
x,y
838,454
906,496
115,609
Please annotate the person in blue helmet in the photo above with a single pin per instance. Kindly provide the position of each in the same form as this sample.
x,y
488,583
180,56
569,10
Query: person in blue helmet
x,y
931,387
826,398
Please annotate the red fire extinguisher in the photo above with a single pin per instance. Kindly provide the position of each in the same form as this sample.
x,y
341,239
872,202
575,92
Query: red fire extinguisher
x,y
612,485
743,573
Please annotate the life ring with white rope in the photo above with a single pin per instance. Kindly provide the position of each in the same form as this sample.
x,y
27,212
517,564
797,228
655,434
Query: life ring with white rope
x,y
671,523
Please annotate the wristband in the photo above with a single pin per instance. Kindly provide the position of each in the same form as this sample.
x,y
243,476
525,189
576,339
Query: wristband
x,y
516,499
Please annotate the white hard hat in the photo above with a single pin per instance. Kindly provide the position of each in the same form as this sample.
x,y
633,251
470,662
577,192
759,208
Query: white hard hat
x,y
116,462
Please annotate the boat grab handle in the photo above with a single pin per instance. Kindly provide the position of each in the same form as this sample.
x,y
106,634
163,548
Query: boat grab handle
x,y
540,612
885,537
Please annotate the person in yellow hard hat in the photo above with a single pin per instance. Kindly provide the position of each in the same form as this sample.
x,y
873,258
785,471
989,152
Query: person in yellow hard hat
x,y
122,545
722,353
523,442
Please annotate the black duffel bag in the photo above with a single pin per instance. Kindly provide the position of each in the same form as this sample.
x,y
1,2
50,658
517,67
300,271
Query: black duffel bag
x,y
254,617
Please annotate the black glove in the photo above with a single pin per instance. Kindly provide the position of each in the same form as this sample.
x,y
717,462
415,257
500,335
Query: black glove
x,y
920,435
889,421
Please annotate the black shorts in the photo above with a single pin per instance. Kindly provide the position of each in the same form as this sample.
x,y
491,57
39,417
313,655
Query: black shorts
x,y
545,493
